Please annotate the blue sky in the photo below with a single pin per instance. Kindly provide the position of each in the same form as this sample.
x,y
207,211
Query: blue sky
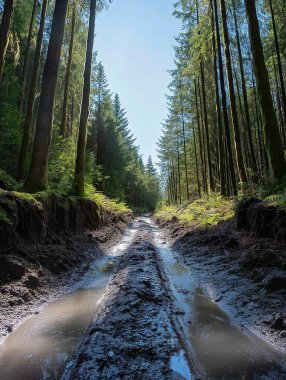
x,y
134,40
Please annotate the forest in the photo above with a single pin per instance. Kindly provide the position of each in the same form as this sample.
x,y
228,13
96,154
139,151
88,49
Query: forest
x,y
115,264
61,126
225,130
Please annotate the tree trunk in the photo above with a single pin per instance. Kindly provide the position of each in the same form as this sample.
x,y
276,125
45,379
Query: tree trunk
x,y
280,70
244,92
81,143
270,125
179,169
218,109
206,126
26,55
37,179
184,142
67,78
31,97
204,167
4,32
196,161
200,136
279,106
224,103
235,124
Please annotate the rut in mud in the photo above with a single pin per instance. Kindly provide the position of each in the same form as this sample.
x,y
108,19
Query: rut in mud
x,y
138,313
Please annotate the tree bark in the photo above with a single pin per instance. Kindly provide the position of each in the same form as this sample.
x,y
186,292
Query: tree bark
x,y
196,161
224,103
280,70
244,91
270,125
211,180
218,109
200,136
235,124
27,127
67,78
37,179
78,185
179,169
279,106
4,32
26,55
184,142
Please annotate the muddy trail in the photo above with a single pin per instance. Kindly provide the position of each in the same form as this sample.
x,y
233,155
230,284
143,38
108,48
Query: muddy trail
x,y
138,313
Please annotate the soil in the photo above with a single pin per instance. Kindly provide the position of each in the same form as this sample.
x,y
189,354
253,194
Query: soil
x,y
133,336
244,273
34,274
161,303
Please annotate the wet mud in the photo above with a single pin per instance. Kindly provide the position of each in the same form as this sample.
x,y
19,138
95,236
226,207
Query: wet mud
x,y
144,310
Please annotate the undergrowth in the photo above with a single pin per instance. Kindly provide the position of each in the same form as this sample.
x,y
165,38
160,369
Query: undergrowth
x,y
203,212
102,200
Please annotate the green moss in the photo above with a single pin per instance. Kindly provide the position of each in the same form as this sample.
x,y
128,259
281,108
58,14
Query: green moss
x,y
5,217
8,180
204,212
111,205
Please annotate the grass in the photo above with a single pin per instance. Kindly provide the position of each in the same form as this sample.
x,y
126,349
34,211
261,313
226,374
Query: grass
x,y
204,212
102,200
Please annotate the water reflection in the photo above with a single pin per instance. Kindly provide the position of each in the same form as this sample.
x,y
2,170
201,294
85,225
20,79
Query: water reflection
x,y
179,364
40,347
221,350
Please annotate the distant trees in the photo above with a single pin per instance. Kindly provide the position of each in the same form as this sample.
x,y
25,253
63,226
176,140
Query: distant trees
x,y
60,126
219,158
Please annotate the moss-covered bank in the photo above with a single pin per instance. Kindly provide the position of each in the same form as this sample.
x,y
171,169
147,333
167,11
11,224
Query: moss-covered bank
x,y
35,217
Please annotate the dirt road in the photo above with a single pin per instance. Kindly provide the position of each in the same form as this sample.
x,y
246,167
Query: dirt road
x,y
137,313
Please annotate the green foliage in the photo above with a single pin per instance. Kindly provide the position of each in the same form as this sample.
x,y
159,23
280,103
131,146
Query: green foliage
x,y
4,217
9,181
204,212
106,203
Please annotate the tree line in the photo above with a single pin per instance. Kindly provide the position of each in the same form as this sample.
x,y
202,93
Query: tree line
x,y
61,126
226,125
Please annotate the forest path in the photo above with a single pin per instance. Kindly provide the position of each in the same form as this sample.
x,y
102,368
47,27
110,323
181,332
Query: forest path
x,y
147,318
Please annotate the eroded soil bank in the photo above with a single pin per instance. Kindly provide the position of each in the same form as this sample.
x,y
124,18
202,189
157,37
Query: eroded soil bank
x,y
46,245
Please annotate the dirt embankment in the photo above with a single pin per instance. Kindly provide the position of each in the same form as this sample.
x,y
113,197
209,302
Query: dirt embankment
x,y
133,336
46,241
242,264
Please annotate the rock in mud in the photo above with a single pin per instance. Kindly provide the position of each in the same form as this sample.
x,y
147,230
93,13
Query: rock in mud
x,y
32,281
11,268
279,323
276,283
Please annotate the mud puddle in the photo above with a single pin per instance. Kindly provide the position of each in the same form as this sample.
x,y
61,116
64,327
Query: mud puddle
x,y
131,325
41,346
219,347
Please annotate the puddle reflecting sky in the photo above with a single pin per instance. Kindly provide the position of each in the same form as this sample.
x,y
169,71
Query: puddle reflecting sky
x,y
41,346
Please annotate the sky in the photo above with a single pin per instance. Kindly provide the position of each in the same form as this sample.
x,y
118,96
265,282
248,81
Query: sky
x,y
134,40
